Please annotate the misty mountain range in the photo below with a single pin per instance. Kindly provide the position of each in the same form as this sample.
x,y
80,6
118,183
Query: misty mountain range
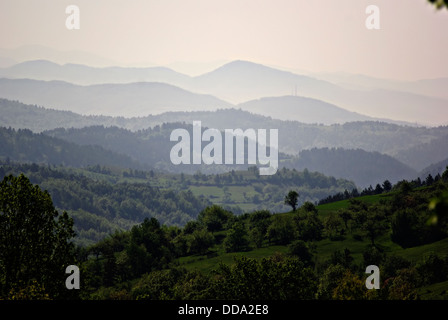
x,y
240,84
132,99
365,152
347,126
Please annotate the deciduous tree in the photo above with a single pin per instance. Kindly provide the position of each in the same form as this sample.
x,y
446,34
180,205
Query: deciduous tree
x,y
35,245
292,199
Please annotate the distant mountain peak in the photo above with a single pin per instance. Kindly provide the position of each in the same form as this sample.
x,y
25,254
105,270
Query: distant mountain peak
x,y
39,62
244,65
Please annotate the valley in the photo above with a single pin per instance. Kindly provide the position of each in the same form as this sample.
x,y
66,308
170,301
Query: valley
x,y
156,195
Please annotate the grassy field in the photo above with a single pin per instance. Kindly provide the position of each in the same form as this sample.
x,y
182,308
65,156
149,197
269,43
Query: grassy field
x,y
326,247
325,209
324,250
241,196
208,263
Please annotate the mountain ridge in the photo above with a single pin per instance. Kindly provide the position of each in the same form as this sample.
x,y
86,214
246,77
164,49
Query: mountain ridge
x,y
306,110
134,99
386,138
87,75
241,81
140,99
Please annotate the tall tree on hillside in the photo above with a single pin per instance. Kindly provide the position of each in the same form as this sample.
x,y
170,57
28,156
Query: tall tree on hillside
x,y
345,215
236,239
292,199
214,218
375,224
387,186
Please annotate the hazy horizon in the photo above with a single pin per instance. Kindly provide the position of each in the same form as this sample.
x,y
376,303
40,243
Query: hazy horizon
x,y
198,36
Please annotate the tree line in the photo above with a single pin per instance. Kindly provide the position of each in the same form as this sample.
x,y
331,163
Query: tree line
x,y
385,187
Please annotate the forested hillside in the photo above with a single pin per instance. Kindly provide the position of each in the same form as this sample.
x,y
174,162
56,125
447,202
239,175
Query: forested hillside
x,y
312,253
100,204
316,252
362,167
150,148
17,115
416,147
417,156
434,169
103,199
132,99
305,110
25,146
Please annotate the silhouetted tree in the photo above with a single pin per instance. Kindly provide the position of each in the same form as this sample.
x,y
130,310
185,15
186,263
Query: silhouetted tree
x,y
292,199
387,186
378,189
429,180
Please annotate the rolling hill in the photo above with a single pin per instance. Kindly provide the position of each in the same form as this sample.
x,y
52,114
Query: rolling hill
x,y
130,100
150,147
113,146
417,156
301,109
434,169
427,87
104,199
416,147
25,146
362,167
85,75
240,81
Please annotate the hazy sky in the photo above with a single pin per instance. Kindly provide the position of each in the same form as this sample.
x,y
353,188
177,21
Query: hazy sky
x,y
316,36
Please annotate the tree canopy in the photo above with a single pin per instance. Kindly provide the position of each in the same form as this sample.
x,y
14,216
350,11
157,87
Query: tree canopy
x,y
35,245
